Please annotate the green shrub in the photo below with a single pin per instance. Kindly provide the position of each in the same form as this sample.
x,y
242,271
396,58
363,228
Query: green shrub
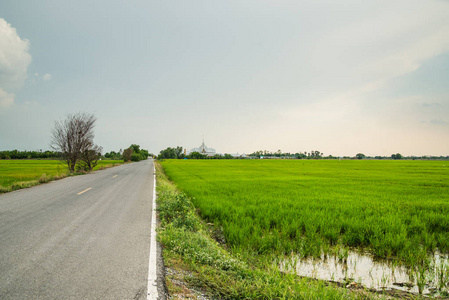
x,y
136,157
127,153
179,210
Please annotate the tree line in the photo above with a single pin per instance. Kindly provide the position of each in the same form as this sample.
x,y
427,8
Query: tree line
x,y
314,154
16,154
318,155
134,153
138,154
177,153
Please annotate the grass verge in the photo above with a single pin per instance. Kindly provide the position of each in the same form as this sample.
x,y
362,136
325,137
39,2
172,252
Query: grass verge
x,y
202,264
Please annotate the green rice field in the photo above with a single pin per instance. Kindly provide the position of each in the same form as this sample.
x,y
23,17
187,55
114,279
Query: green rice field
x,y
16,174
397,210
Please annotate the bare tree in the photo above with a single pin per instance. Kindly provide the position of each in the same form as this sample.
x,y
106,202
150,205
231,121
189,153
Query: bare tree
x,y
74,136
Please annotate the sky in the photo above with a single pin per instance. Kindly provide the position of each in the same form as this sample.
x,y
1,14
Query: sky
x,y
341,77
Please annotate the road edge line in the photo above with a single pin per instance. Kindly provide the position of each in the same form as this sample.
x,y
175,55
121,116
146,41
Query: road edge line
x,y
152,292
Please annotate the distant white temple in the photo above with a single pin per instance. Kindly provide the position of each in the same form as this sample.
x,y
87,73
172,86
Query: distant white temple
x,y
204,150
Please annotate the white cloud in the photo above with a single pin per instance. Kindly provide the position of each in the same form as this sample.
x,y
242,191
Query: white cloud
x,y
14,62
46,77
6,99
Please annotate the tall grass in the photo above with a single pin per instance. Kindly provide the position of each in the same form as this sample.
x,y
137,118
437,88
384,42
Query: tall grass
x,y
394,209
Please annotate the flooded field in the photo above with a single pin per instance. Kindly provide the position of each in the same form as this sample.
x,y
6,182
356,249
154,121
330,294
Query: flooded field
x,y
354,268
399,210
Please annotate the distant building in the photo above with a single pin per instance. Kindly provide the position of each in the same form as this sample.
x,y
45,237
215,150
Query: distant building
x,y
204,150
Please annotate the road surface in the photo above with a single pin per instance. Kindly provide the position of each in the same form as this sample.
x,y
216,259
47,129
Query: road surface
x,y
83,237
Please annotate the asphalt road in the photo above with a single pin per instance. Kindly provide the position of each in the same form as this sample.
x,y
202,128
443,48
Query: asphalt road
x,y
83,237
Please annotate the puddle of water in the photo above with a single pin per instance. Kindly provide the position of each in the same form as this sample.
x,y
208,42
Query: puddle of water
x,y
371,273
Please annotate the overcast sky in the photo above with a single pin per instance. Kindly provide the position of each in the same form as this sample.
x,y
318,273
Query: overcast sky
x,y
341,77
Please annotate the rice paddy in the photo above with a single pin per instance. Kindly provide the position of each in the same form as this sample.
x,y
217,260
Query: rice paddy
x,y
16,174
397,211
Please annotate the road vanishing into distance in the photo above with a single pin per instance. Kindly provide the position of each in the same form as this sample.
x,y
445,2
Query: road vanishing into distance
x,y
82,237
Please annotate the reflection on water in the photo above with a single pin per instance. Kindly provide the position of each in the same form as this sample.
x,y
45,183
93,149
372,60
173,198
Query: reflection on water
x,y
377,274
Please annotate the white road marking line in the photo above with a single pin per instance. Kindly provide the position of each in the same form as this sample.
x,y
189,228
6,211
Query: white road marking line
x,y
114,176
84,191
152,292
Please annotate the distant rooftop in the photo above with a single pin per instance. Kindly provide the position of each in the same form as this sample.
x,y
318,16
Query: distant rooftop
x,y
203,149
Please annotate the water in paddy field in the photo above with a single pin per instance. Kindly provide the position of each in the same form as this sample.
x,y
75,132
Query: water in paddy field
x,y
363,269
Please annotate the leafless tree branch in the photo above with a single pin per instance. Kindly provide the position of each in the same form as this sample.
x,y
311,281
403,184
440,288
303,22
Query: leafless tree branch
x,y
73,136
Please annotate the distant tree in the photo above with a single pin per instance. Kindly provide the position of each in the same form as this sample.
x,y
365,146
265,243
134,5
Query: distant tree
x,y
113,155
179,152
315,154
196,155
257,153
168,153
396,156
144,153
136,148
278,153
300,155
360,156
136,157
73,136
134,153
127,153
15,154
171,153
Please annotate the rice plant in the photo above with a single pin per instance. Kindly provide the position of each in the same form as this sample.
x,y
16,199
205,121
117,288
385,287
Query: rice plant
x,y
396,210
